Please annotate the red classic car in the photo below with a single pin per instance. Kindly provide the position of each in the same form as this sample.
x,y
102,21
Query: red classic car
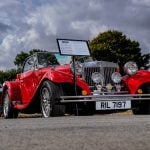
x,y
137,83
50,86
39,87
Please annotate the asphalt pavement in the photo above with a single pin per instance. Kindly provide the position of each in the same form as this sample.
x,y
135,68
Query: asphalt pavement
x,y
98,132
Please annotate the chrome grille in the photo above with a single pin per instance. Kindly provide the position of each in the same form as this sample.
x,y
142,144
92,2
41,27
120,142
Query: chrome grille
x,y
107,74
104,67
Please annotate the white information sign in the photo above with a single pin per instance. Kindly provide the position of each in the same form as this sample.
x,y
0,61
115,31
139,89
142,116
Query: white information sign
x,y
73,47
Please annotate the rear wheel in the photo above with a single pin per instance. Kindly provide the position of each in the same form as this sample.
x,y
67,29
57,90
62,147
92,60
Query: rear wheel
x,y
8,111
49,93
142,107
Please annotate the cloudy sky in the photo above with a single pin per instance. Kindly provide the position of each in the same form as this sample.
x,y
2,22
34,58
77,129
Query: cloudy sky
x,y
28,24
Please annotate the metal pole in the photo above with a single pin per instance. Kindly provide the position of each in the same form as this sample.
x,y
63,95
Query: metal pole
x,y
74,82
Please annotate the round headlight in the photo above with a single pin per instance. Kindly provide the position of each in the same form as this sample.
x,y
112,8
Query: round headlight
x,y
131,68
116,77
78,67
97,77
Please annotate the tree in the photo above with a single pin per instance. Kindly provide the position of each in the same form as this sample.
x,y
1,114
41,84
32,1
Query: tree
x,y
20,57
1,77
31,52
145,60
7,75
116,47
19,60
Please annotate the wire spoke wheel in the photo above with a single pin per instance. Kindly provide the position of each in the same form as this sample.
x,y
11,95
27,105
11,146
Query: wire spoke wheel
x,y
45,102
49,92
6,105
8,111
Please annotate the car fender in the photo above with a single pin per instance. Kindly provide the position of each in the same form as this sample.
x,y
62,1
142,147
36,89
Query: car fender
x,y
14,91
136,81
62,77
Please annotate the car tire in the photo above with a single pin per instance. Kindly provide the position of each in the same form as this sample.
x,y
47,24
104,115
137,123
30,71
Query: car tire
x,y
142,107
8,111
49,94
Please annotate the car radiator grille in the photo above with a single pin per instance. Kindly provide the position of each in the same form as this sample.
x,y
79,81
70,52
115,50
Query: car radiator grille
x,y
105,68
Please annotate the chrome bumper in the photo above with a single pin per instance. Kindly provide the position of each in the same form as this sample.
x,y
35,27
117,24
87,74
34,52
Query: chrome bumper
x,y
105,97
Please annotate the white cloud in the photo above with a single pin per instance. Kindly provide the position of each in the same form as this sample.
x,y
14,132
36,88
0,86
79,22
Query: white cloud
x,y
29,24
142,2
94,29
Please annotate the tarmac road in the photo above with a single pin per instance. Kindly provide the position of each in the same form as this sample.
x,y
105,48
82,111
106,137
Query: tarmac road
x,y
98,132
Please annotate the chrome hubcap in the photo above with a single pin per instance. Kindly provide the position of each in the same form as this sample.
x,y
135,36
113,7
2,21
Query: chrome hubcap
x,y
45,102
6,105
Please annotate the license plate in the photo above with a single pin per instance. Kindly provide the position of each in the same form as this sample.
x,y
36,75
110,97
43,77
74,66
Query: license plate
x,y
109,105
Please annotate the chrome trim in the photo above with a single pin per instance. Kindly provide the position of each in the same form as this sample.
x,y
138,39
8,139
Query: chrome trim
x,y
103,67
115,92
94,98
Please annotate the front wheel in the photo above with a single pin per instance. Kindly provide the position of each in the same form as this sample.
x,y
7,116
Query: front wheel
x,y
8,111
49,93
142,107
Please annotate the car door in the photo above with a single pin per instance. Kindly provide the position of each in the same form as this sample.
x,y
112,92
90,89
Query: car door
x,y
29,79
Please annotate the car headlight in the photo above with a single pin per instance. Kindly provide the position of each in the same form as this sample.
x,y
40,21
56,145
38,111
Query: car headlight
x,y
116,77
97,77
130,68
78,67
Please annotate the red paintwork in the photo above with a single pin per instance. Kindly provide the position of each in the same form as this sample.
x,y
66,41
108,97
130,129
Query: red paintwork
x,y
134,82
23,89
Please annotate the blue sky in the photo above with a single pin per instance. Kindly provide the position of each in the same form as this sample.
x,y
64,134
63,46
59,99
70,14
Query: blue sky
x,y
28,24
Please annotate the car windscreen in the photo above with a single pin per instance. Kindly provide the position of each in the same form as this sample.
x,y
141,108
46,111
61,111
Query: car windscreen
x,y
63,59
47,59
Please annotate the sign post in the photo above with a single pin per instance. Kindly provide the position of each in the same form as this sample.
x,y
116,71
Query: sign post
x,y
73,48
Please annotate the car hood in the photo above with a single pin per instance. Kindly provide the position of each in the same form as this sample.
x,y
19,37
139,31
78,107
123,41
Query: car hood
x,y
141,74
63,68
